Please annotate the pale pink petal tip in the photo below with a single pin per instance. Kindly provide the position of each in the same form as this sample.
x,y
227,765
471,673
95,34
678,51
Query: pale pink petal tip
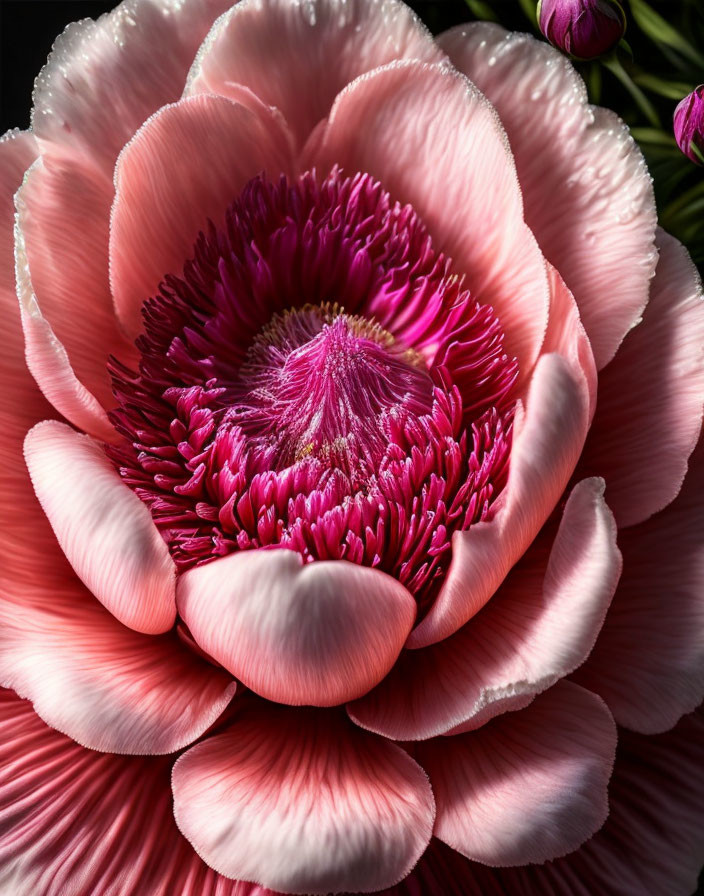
x,y
303,802
103,528
316,634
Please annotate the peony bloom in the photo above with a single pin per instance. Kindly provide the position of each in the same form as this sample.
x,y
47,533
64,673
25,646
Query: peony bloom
x,y
583,28
351,503
688,123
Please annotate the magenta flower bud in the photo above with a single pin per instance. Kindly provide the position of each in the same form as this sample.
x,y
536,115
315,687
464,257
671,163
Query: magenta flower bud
x,y
688,124
582,28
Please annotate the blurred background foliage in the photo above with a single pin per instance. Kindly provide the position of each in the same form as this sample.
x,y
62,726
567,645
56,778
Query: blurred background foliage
x,y
661,63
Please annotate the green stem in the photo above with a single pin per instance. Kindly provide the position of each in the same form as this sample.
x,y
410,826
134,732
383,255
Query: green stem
x,y
613,64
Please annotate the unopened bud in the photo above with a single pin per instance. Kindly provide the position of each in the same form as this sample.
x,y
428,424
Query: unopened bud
x,y
583,28
688,125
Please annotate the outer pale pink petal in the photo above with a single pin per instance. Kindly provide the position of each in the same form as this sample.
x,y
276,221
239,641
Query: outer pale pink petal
x,y
316,634
169,183
62,235
587,192
538,628
298,56
435,142
104,78
103,528
48,360
74,822
107,687
651,842
529,786
21,402
651,396
304,802
648,663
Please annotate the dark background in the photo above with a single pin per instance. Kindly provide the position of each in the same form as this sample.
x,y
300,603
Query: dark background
x,y
29,27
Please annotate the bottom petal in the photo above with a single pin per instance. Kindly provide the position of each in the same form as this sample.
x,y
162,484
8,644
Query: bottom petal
x,y
303,801
530,785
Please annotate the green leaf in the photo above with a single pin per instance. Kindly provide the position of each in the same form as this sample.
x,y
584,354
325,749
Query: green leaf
x,y
672,90
655,136
661,31
593,79
613,64
482,10
693,148
529,10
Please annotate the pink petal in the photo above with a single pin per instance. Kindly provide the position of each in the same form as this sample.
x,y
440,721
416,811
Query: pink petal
x,y
303,802
104,685
587,192
169,183
21,402
316,634
529,786
62,233
103,528
435,142
74,821
651,842
651,396
547,441
104,78
298,56
648,663
538,628
48,360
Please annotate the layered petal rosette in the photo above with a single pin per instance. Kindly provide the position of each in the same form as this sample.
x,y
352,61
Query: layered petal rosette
x,y
351,499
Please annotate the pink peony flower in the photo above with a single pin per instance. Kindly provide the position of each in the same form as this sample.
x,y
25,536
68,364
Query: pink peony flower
x,y
357,391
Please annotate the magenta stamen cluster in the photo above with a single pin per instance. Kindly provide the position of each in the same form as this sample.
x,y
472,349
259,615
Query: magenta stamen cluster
x,y
318,379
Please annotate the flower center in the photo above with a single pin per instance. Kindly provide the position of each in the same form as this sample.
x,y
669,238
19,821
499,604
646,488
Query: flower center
x,y
368,430
321,383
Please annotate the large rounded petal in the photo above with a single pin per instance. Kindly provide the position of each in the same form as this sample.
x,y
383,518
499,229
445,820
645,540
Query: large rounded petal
x,y
651,396
587,192
316,634
529,786
46,356
67,311
169,184
298,56
74,821
538,628
303,802
104,78
104,685
648,663
651,842
103,528
435,142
